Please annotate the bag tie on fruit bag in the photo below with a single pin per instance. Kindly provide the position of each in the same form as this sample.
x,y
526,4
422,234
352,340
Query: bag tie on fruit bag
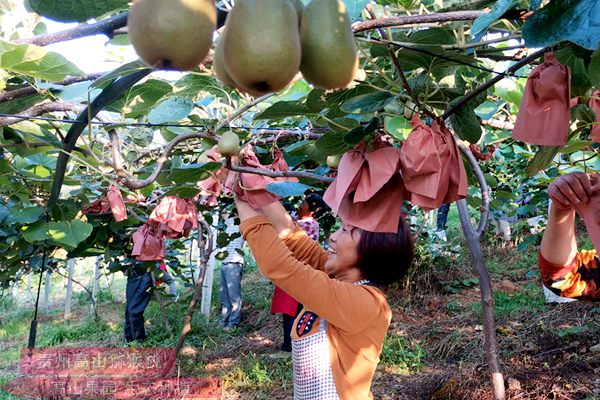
x,y
148,244
368,190
544,113
431,166
174,217
253,187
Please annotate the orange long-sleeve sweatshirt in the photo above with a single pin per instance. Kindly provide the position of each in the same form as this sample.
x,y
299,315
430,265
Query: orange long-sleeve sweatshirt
x,y
357,316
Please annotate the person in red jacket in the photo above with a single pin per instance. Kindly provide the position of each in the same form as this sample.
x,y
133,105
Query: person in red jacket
x,y
565,270
282,303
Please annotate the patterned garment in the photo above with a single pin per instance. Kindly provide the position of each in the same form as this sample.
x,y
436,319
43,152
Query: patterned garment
x,y
313,379
579,279
310,226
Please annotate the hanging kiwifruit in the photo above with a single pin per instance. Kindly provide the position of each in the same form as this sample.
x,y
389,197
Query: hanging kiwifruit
x,y
172,34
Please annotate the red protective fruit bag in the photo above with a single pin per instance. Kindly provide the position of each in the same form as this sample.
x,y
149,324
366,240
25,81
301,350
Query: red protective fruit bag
x,y
174,217
117,206
148,244
594,104
252,187
544,113
368,191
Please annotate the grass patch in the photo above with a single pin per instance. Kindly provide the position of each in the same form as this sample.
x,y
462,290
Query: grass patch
x,y
529,299
254,373
401,355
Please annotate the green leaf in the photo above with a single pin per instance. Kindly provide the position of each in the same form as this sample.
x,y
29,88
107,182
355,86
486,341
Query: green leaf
x,y
357,134
287,189
483,22
398,127
185,192
193,172
141,136
195,86
439,67
432,36
580,82
36,232
355,8
542,159
282,109
594,69
576,145
315,101
172,109
25,215
36,62
332,143
69,233
367,103
573,20
74,10
123,70
465,123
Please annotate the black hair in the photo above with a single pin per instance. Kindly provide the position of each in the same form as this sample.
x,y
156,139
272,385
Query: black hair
x,y
316,204
384,258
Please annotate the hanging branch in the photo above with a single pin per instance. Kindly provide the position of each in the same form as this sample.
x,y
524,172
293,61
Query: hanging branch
x,y
37,110
382,22
205,249
160,163
492,82
398,67
29,90
278,174
105,27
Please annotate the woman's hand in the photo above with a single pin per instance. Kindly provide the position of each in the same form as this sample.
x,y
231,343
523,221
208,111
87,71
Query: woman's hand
x,y
570,190
245,211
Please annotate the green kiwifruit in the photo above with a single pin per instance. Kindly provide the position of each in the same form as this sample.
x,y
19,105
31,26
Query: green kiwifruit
x,y
329,58
262,45
172,34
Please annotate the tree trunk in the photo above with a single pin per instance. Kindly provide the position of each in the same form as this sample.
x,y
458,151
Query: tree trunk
x,y
490,342
207,283
71,265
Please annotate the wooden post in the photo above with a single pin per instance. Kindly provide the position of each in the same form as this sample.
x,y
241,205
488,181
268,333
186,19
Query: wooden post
x,y
207,284
47,291
95,286
71,266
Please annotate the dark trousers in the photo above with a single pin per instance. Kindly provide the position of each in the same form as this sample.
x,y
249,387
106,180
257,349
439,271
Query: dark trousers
x,y
288,325
442,216
138,294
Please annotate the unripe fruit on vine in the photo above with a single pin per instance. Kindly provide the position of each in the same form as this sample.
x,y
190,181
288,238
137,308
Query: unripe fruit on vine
x,y
172,34
329,58
262,45
229,144
334,161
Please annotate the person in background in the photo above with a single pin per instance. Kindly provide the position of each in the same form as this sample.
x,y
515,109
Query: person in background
x,y
565,270
137,296
231,276
282,303
442,218
338,336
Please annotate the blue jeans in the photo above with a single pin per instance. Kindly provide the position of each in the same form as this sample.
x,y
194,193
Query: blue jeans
x,y
231,293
